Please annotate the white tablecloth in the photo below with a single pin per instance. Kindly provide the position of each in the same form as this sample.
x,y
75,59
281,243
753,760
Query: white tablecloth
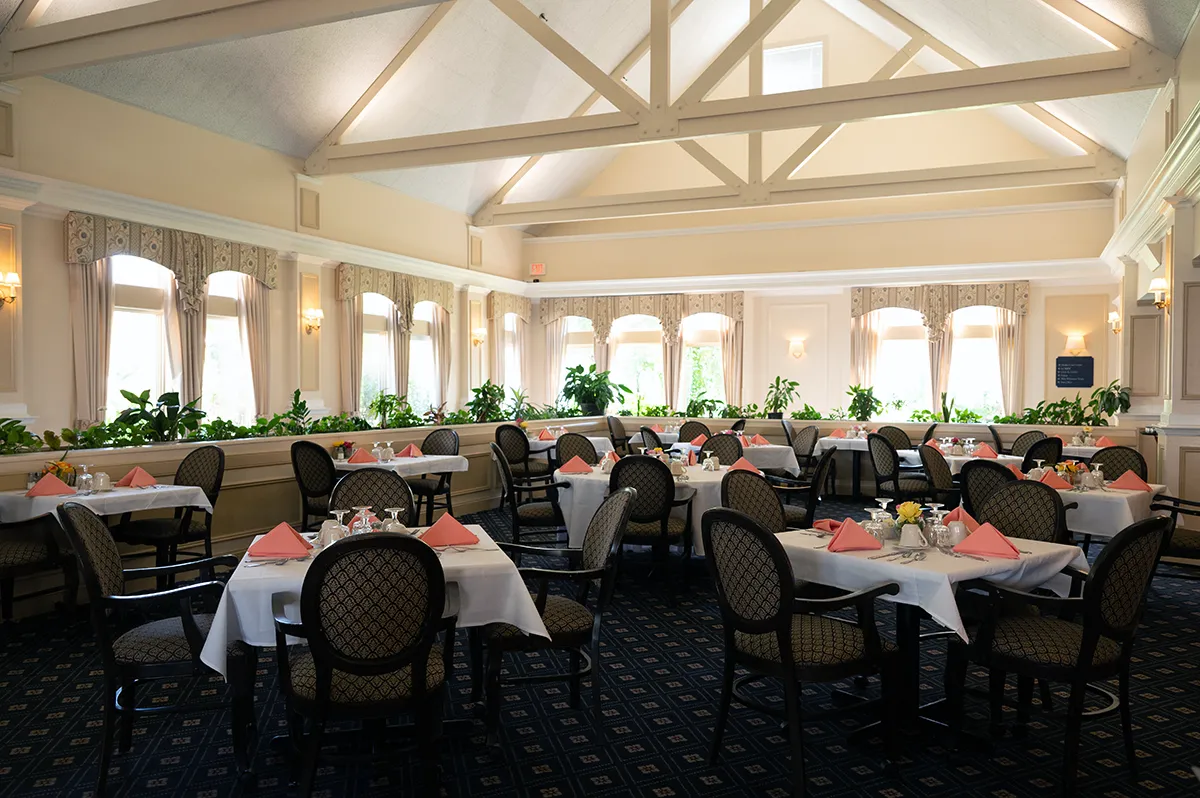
x,y
1079,451
580,502
957,461
768,456
488,586
15,506
907,456
667,438
602,445
413,466
929,584
1104,513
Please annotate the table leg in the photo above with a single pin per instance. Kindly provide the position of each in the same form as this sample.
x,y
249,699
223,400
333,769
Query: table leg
x,y
856,469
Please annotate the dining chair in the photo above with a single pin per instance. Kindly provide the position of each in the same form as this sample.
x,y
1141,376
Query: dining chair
x,y
752,495
996,443
1085,638
572,444
650,439
803,444
514,443
133,651
772,633
691,429
617,434
651,520
979,479
573,622
315,475
1027,510
738,425
809,491
541,516
428,488
725,447
1048,450
888,479
1026,439
789,430
372,608
203,468
380,489
1116,460
930,433
896,437
941,481
1184,542
31,547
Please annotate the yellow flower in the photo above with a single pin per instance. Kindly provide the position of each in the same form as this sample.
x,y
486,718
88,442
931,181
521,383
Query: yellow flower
x,y
909,513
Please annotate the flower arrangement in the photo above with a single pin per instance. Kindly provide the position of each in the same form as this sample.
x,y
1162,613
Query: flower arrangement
x,y
859,430
61,469
908,513
522,424
1071,468
956,441
345,447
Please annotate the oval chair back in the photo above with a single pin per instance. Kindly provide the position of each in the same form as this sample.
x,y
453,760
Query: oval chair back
x,y
753,577
979,480
789,431
886,462
820,476
930,433
937,470
1116,460
1028,510
651,440
442,442
572,444
315,477
996,439
804,443
653,483
724,446
752,494
897,437
603,538
378,488
617,433
1115,592
513,443
1025,440
1049,450
738,425
691,429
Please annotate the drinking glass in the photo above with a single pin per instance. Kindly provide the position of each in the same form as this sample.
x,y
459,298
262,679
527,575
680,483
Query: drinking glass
x,y
376,450
388,452
361,522
941,532
874,525
1098,473
883,504
343,530
393,524
1039,463
84,482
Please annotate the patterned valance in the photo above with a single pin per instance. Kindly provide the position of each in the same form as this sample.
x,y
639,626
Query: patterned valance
x,y
936,302
500,304
669,309
404,290
440,292
190,256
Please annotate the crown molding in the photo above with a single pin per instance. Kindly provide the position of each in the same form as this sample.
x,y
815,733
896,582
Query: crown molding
x,y
799,224
55,197
1045,272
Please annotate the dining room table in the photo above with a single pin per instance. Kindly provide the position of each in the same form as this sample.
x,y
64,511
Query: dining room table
x,y
16,506
412,466
1103,512
766,455
601,444
1080,451
957,461
857,448
667,438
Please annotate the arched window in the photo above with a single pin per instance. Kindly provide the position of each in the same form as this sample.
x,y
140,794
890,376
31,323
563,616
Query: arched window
x,y
637,359
423,390
228,383
902,363
702,376
975,361
378,364
138,354
511,378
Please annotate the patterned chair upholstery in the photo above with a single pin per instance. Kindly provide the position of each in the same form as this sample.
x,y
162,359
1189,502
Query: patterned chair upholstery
x,y
651,521
541,516
378,488
802,516
937,471
315,476
374,606
738,425
930,433
617,434
897,437
690,429
1077,640
752,495
1049,450
515,445
771,632
727,448
433,491
803,444
1116,460
1184,541
888,479
572,444
996,443
650,439
1021,445
29,547
789,430
979,480
573,624
168,648
203,468
1027,510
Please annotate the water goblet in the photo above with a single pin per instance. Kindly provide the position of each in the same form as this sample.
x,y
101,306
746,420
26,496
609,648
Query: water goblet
x,y
883,503
393,524
1038,463
84,481
361,522
376,450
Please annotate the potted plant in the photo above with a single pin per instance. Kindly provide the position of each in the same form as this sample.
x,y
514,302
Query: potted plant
x,y
863,403
592,390
162,421
780,394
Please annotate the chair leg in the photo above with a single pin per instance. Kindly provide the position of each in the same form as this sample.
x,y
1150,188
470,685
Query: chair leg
x,y
7,593
475,647
597,713
1071,741
1087,543
1024,702
722,711
791,696
996,700
1127,721
128,712
1047,696
576,679
308,772
956,677
449,503
495,661
429,721
110,731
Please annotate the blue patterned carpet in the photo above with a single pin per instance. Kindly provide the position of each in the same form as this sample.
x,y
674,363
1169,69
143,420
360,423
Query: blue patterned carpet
x,y
661,667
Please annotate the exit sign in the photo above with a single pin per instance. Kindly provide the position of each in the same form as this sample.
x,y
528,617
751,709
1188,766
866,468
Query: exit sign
x,y
537,270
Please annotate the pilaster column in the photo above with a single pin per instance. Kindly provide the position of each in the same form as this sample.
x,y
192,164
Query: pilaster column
x,y
474,360
1179,430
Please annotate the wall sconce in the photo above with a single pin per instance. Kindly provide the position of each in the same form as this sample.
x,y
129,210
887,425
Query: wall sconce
x,y
1076,345
312,320
9,283
796,348
1114,321
478,336
1158,287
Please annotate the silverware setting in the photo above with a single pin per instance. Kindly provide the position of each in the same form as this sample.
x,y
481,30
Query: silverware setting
x,y
280,561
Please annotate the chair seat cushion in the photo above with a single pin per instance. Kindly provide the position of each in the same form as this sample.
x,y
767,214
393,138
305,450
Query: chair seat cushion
x,y
158,641
676,526
564,618
317,505
795,516
817,641
149,531
537,514
16,553
352,689
425,486
913,485
1184,542
1047,641
531,467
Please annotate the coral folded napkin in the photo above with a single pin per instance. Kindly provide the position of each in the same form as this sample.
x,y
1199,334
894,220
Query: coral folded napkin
x,y
362,456
852,537
932,444
50,485
988,542
410,451
959,514
575,466
137,478
447,531
1130,481
656,428
699,440
827,525
1104,441
759,440
1013,467
282,541
743,464
613,456
545,435
1052,479
838,433
985,451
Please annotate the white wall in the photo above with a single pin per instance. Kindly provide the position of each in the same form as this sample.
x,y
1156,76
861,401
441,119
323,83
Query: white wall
x,y
823,321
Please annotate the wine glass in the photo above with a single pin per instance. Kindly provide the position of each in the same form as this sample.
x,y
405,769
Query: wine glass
x,y
362,521
883,503
84,480
393,524
388,452
376,450
939,531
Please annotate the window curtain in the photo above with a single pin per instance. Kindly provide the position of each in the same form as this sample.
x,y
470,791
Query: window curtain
x,y
1010,343
254,318
864,348
672,346
187,329
400,341
90,298
556,344
940,350
352,353
439,331
602,351
731,359
497,349
522,351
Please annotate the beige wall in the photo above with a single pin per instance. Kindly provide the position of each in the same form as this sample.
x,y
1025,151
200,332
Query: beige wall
x,y
1076,313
